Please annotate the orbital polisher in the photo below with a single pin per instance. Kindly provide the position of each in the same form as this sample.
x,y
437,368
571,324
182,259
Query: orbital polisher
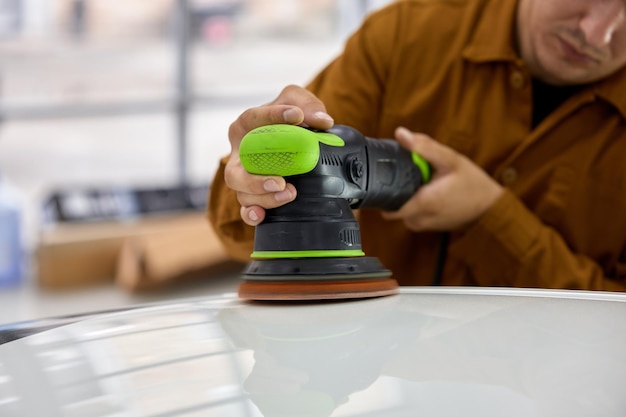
x,y
310,248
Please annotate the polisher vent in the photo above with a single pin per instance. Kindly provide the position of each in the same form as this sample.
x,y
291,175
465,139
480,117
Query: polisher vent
x,y
330,159
350,236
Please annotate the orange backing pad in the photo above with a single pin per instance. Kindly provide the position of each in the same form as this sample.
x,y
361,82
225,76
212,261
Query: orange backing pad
x,y
316,290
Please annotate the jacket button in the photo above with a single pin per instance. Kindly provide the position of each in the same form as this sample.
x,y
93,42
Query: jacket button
x,y
508,176
517,79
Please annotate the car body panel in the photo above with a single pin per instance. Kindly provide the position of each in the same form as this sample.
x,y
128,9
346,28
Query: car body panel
x,y
426,351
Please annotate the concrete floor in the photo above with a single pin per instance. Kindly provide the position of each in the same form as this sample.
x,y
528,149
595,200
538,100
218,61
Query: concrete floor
x,y
130,149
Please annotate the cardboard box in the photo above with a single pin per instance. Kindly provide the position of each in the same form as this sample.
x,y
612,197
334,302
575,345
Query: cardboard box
x,y
79,254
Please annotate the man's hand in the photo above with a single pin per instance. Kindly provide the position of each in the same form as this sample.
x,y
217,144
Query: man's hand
x,y
458,193
255,193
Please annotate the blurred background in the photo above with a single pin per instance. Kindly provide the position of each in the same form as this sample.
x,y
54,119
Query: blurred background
x,y
115,112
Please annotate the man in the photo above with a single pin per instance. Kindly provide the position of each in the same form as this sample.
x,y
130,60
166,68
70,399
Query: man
x,y
520,108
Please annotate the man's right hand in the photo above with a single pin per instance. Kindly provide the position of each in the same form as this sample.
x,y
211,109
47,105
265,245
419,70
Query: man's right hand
x,y
294,105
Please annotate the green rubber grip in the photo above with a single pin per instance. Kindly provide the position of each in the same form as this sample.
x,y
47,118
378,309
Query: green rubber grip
x,y
283,150
423,166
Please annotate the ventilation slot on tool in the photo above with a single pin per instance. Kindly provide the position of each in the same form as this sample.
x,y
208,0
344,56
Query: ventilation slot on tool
x,y
330,159
350,237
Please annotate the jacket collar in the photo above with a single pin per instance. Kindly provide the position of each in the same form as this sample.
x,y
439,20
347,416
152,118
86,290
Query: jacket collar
x,y
613,90
494,38
488,45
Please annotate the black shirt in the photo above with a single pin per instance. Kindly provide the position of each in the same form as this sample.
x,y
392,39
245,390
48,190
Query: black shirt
x,y
546,98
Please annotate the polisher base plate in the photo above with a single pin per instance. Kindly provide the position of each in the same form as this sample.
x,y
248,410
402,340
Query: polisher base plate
x,y
316,279
316,290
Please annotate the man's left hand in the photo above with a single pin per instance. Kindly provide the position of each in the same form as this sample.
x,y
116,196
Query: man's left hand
x,y
458,193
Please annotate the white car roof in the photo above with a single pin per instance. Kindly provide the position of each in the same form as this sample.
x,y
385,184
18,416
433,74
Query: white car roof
x,y
427,351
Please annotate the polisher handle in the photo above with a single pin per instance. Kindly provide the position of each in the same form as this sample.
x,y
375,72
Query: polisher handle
x,y
287,150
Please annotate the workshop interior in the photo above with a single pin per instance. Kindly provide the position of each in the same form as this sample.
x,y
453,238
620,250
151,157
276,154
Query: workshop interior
x,y
118,299
113,118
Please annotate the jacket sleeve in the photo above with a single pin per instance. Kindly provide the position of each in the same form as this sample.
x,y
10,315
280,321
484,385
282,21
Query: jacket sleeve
x,y
353,85
524,252
224,215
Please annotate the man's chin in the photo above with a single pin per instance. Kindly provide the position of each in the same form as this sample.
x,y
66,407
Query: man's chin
x,y
567,76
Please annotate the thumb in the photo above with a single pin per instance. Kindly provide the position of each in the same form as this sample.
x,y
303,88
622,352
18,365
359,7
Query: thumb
x,y
437,155
313,109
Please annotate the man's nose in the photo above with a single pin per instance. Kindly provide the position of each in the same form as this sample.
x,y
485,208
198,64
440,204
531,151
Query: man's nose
x,y
602,20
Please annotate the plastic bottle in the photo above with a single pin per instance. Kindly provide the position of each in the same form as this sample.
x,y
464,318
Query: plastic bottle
x,y
11,248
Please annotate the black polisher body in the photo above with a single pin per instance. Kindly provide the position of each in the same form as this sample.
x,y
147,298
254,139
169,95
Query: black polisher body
x,y
316,238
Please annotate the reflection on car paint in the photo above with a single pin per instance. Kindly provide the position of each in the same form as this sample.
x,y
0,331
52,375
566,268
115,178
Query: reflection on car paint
x,y
411,354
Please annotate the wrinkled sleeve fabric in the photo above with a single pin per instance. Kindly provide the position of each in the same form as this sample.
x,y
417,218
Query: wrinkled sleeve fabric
x,y
510,246
224,215
353,85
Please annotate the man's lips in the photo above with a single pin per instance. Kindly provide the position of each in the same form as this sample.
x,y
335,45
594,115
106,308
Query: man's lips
x,y
575,55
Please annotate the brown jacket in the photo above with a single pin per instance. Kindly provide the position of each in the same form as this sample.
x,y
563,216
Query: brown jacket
x,y
449,68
